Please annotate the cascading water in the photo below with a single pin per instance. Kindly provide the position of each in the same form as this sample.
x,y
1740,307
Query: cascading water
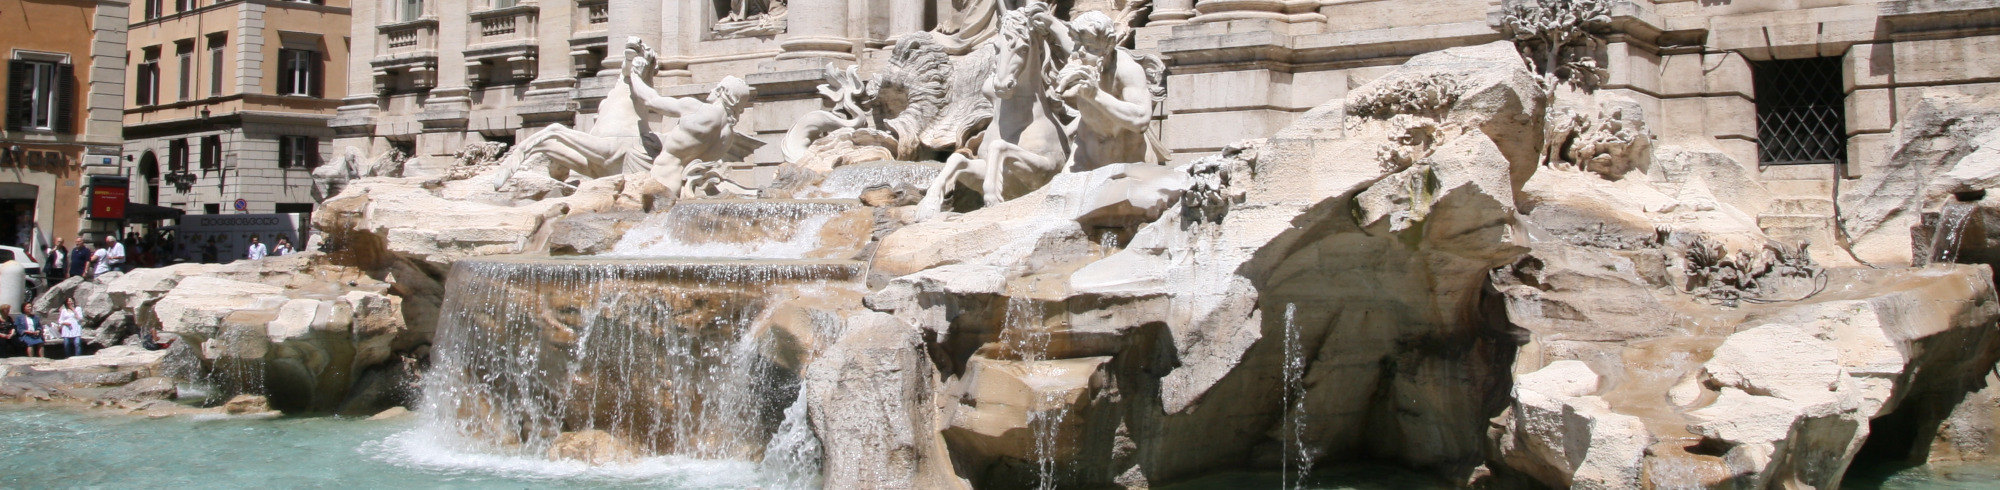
x,y
1950,231
660,355
849,181
655,345
1297,461
736,229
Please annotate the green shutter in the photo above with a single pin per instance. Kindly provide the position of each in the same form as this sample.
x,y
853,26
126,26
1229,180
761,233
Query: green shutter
x,y
18,97
65,99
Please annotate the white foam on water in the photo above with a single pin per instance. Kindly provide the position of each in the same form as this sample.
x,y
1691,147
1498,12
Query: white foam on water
x,y
661,242
428,450
850,180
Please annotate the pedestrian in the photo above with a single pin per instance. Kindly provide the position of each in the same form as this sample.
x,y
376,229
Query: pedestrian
x,y
7,333
24,235
79,257
257,250
30,328
284,247
54,262
209,252
70,324
109,257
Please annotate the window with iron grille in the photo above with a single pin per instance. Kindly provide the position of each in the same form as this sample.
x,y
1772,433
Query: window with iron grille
x,y
1801,111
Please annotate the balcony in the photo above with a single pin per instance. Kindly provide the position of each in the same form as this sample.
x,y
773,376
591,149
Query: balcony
x,y
504,26
408,38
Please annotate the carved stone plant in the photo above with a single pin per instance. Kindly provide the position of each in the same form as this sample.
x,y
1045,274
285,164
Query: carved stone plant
x,y
1558,37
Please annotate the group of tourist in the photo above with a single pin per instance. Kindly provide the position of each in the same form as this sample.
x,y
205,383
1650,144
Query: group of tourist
x,y
28,332
59,263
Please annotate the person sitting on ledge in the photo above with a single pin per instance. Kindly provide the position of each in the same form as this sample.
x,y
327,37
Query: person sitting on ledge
x,y
30,329
7,333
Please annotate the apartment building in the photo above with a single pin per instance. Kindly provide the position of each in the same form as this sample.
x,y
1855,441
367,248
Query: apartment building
x,y
228,101
65,82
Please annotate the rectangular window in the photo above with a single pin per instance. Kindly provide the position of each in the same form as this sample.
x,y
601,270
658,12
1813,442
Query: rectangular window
x,y
146,87
211,153
1801,111
184,54
183,5
298,152
501,4
153,9
215,43
41,95
211,208
298,72
177,156
410,10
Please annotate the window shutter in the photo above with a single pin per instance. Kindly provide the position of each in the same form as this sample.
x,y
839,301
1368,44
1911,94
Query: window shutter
x,y
18,98
65,98
316,72
312,151
285,71
284,152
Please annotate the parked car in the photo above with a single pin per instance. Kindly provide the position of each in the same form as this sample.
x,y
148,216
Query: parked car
x,y
36,282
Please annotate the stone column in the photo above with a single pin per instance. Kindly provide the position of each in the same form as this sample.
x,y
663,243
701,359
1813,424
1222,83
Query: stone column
x,y
907,16
1227,10
552,62
1171,12
629,18
817,29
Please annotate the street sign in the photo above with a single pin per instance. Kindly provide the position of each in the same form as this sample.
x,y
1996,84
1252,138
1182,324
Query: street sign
x,y
242,205
107,196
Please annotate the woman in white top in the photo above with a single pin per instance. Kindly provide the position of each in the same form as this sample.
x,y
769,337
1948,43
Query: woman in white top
x,y
69,323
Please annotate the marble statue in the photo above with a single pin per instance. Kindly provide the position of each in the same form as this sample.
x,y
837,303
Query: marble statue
x,y
329,180
1112,89
1065,98
741,18
623,141
848,108
1026,142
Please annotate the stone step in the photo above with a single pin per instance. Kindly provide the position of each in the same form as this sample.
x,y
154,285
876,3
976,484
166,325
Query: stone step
x,y
1799,188
1815,234
1796,172
1813,206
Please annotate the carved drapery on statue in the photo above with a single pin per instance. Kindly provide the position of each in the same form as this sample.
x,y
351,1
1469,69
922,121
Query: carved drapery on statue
x,y
749,18
624,139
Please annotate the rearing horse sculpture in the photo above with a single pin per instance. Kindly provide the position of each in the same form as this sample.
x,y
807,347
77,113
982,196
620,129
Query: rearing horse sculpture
x,y
1025,145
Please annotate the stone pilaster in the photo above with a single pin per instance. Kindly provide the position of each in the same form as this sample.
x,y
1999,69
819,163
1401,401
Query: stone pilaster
x,y
250,48
816,29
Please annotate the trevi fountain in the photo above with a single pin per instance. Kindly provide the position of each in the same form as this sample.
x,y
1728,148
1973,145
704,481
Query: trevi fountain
x,y
983,255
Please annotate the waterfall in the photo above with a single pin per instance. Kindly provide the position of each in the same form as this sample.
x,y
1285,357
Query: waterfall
x,y
1297,461
1950,231
659,354
793,457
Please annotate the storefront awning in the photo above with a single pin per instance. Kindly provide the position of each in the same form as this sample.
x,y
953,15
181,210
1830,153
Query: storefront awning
x,y
147,212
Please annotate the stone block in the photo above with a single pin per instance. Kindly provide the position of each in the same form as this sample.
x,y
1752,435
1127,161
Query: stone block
x,y
1947,60
1728,73
1870,111
1731,116
1868,153
1242,89
1681,74
1210,131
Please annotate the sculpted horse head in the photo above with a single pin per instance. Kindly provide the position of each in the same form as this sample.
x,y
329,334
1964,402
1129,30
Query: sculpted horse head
x,y
1014,54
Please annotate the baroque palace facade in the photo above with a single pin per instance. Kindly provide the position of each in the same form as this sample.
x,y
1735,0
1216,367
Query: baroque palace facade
x,y
1806,91
228,101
